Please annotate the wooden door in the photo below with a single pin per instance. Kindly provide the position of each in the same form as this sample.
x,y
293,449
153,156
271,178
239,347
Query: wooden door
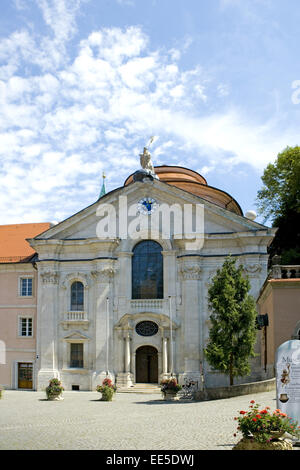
x,y
25,375
146,365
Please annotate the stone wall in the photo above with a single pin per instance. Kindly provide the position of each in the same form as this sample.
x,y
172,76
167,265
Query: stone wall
x,y
236,390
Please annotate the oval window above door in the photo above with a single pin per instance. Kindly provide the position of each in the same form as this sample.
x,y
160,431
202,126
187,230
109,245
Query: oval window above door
x,y
146,328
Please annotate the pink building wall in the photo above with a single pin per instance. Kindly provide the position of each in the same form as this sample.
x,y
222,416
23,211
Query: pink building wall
x,y
280,299
18,349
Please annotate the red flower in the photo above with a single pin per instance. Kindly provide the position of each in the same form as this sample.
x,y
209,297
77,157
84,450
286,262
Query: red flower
x,y
252,401
258,416
254,419
242,412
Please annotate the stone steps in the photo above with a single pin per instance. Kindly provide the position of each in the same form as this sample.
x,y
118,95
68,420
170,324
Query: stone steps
x,y
141,388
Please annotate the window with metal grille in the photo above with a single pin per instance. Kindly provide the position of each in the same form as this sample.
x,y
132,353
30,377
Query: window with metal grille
x,y
76,355
25,326
77,296
26,286
147,271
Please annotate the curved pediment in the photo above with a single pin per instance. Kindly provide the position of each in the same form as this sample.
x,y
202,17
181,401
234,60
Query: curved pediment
x,y
130,320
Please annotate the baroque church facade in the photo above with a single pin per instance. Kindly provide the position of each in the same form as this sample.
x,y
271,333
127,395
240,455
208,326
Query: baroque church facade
x,y
135,307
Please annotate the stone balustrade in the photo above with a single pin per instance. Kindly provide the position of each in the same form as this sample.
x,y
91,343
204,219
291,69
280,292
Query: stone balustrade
x,y
76,316
148,304
285,272
72,318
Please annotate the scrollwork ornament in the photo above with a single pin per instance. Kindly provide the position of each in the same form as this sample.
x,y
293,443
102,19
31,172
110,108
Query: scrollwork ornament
x,y
104,275
190,272
50,277
252,270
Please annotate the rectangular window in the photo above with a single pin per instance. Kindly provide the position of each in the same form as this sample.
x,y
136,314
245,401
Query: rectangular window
x,y
25,326
26,286
76,355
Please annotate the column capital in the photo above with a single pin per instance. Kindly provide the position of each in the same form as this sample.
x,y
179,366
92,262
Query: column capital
x,y
50,277
169,252
191,271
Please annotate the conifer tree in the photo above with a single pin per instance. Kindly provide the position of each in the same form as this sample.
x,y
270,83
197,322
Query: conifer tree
x,y
233,322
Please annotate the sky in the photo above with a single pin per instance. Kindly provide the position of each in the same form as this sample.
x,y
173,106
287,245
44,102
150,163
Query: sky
x,y
84,84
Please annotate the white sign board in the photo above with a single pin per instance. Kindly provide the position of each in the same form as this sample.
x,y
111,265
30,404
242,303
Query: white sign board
x,y
288,378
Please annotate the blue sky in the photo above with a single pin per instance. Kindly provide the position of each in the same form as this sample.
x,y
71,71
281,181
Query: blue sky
x,y
85,83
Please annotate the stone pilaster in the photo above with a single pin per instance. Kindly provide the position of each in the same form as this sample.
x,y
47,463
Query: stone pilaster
x,y
190,273
47,321
103,335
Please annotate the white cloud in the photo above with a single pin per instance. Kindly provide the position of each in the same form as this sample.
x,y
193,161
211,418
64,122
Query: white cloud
x,y
66,120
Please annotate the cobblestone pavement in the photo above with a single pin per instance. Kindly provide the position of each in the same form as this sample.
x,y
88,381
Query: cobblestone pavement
x,y
130,422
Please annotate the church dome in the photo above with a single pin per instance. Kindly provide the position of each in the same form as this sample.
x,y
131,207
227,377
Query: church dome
x,y
194,183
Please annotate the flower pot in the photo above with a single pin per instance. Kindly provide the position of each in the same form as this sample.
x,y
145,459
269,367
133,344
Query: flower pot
x,y
55,396
106,398
251,444
54,390
170,395
107,395
277,434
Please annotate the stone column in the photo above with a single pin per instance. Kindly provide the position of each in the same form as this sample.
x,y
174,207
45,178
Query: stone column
x,y
165,356
125,378
127,354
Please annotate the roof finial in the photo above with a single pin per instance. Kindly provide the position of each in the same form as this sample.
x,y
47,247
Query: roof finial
x,y
103,190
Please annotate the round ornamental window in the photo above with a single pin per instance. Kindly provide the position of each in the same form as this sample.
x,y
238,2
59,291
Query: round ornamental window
x,y
146,328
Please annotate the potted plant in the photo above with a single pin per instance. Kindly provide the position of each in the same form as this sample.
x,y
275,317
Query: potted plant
x,y
263,430
170,388
1,392
54,390
107,390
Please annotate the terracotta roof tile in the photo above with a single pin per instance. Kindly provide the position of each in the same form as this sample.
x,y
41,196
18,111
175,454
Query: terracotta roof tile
x,y
13,245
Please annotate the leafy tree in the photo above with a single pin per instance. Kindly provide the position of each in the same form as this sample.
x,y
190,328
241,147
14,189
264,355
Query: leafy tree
x,y
279,200
233,322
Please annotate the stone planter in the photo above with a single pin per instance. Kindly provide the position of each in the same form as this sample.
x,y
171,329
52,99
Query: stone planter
x,y
251,444
55,396
106,398
170,395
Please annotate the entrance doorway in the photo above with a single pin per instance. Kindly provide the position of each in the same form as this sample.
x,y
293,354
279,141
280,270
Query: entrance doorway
x,y
25,375
146,365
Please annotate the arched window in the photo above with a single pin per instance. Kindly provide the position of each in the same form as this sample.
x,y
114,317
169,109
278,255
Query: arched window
x,y
77,296
147,271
